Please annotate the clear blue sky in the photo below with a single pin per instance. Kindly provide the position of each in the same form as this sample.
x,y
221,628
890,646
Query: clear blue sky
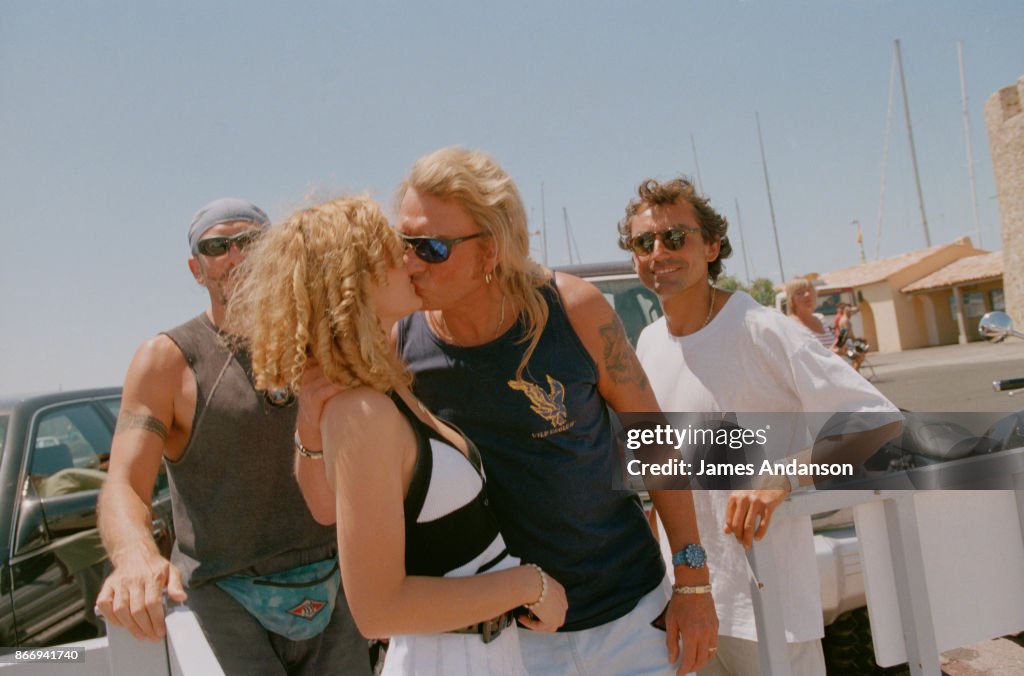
x,y
120,119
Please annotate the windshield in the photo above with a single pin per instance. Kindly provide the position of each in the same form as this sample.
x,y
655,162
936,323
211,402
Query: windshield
x,y
636,305
828,303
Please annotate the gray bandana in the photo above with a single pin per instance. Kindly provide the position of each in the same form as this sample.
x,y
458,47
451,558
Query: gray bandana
x,y
224,210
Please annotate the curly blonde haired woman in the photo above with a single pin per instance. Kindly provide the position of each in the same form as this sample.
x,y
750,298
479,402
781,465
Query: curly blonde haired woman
x,y
421,556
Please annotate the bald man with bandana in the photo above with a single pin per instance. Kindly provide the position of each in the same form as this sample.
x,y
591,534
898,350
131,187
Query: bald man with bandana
x,y
259,573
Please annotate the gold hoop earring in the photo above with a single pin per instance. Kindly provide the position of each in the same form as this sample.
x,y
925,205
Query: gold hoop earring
x,y
488,278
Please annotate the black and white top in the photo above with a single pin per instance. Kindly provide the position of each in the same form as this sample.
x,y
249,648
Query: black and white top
x,y
826,336
449,528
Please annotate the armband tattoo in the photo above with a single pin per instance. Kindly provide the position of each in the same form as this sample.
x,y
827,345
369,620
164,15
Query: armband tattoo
x,y
136,421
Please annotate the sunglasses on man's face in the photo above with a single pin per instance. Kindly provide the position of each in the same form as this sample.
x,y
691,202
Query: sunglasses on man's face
x,y
435,249
673,238
218,246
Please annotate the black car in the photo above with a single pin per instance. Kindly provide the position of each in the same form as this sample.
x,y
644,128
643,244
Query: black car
x,y
54,450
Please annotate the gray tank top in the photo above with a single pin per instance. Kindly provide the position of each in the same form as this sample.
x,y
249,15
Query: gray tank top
x,y
237,507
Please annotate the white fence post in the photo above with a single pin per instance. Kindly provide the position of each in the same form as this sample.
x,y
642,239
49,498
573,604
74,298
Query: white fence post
x,y
764,591
129,655
188,651
911,585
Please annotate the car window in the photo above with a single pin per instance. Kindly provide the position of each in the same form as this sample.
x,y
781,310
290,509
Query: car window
x,y
636,305
113,405
69,437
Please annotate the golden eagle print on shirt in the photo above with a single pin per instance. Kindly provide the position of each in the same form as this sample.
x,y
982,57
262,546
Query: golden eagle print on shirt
x,y
549,405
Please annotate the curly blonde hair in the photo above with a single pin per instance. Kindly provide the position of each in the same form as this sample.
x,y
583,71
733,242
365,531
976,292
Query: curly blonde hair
x,y
489,195
306,289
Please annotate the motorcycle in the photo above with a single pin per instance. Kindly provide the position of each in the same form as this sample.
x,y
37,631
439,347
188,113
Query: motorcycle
x,y
932,439
995,327
943,450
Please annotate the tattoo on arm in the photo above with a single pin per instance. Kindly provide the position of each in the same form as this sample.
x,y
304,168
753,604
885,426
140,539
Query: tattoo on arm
x,y
619,358
136,421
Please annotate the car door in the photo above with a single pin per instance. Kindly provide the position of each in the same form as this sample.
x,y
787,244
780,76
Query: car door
x,y
57,562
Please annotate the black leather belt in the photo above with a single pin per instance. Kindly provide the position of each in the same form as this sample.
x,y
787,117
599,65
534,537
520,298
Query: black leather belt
x,y
490,629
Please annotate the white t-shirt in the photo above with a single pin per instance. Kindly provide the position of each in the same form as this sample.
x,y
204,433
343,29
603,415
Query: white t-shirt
x,y
754,359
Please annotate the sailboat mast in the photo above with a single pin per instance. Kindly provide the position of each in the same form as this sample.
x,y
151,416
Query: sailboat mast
x,y
739,224
913,151
696,164
771,207
570,238
885,157
967,140
543,224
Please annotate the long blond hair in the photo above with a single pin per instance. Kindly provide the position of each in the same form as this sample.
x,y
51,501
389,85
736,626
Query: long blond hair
x,y
489,195
307,289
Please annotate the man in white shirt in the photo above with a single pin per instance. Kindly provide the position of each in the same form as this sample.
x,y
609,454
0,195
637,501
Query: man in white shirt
x,y
721,352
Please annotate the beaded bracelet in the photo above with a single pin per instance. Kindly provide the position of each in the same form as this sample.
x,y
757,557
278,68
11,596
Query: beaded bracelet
x,y
313,455
543,588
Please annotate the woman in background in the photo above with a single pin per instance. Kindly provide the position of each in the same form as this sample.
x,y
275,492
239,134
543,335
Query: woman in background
x,y
801,301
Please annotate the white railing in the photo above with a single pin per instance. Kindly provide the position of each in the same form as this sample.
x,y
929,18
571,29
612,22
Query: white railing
x,y
184,652
900,524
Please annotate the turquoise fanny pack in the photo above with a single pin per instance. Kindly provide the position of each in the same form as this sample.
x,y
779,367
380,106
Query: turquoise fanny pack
x,y
296,603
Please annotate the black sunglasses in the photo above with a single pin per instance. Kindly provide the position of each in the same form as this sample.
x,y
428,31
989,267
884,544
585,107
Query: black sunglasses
x,y
435,249
218,246
671,238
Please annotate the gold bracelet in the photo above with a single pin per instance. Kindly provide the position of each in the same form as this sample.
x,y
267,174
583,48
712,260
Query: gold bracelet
x,y
698,589
312,455
543,588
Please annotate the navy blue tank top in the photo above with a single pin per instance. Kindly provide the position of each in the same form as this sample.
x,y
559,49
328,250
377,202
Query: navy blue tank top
x,y
550,457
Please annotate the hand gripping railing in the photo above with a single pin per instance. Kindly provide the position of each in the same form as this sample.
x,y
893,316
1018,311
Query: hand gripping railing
x,y
184,651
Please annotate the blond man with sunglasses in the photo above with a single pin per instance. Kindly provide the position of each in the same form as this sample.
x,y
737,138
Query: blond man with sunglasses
x,y
716,352
527,362
189,405
531,361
